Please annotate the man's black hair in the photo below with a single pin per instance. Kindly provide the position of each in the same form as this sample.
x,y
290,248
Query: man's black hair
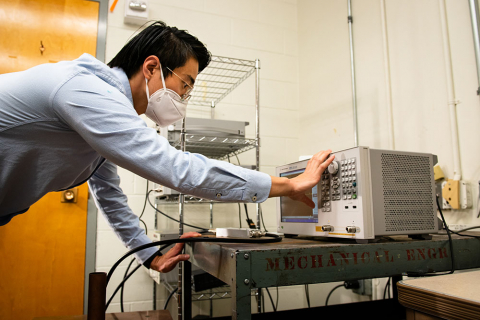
x,y
172,46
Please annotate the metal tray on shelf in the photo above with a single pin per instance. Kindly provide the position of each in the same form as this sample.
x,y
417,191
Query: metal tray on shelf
x,y
218,79
215,147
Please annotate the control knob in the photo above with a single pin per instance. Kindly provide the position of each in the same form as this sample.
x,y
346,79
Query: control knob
x,y
333,167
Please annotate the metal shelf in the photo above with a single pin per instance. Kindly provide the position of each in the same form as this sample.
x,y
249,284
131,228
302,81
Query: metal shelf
x,y
215,147
210,294
219,78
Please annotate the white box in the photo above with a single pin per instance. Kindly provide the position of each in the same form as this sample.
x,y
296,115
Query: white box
x,y
136,12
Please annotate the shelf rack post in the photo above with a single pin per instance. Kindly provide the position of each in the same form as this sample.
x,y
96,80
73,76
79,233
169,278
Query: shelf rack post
x,y
257,126
257,150
181,203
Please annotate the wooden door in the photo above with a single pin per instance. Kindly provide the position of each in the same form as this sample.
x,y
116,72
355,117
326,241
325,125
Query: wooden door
x,y
42,252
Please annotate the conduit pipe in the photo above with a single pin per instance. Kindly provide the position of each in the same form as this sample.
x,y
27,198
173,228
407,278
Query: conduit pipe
x,y
476,39
452,101
388,78
352,65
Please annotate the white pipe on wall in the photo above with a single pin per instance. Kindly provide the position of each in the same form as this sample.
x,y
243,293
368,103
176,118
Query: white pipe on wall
x,y
388,79
352,66
452,101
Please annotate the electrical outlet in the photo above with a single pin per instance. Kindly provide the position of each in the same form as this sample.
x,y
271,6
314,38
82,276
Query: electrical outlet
x,y
445,204
465,195
365,288
456,227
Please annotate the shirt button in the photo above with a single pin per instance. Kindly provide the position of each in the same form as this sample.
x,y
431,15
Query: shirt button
x,y
254,198
219,195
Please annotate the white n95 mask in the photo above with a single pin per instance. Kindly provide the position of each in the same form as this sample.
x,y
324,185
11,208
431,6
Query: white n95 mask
x,y
165,106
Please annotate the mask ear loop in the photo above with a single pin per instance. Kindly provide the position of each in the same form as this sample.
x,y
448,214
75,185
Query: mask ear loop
x,y
146,89
163,82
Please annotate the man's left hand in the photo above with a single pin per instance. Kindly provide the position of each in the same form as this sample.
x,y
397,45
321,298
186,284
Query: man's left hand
x,y
169,260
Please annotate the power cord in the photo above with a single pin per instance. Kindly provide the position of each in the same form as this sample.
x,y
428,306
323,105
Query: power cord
x,y
123,285
261,216
169,298
421,274
239,215
250,222
307,294
385,290
271,300
171,218
131,262
143,210
328,297
125,278
466,229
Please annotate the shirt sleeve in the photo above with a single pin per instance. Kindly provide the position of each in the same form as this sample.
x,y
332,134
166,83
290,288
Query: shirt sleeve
x,y
112,202
106,119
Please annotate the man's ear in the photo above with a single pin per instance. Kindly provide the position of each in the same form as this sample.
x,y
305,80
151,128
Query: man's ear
x,y
150,64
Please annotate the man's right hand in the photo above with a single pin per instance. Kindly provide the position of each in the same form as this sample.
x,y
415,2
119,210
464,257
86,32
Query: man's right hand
x,y
295,188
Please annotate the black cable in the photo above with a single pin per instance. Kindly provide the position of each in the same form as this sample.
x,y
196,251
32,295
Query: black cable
x,y
466,229
328,297
143,210
261,216
239,214
271,300
246,211
144,224
420,274
387,285
307,294
166,215
170,297
145,203
271,238
123,285
125,278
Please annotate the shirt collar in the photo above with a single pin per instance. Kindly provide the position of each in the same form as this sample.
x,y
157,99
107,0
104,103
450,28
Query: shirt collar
x,y
120,74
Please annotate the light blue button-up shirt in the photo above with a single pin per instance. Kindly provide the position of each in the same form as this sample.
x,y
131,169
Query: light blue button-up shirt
x,y
58,124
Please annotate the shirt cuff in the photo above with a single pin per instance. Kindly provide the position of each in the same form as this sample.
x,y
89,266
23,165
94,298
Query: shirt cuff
x,y
149,261
258,186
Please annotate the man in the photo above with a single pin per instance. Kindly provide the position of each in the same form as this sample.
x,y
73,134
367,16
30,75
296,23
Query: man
x,y
74,121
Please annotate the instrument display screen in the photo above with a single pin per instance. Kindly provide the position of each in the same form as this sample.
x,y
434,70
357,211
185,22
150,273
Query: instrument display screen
x,y
297,211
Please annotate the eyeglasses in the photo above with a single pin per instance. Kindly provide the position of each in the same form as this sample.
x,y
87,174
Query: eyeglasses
x,y
186,96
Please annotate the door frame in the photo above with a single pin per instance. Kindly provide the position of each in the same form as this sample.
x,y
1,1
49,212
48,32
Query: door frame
x,y
91,238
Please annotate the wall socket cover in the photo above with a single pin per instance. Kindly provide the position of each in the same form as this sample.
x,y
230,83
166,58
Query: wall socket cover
x,y
465,195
